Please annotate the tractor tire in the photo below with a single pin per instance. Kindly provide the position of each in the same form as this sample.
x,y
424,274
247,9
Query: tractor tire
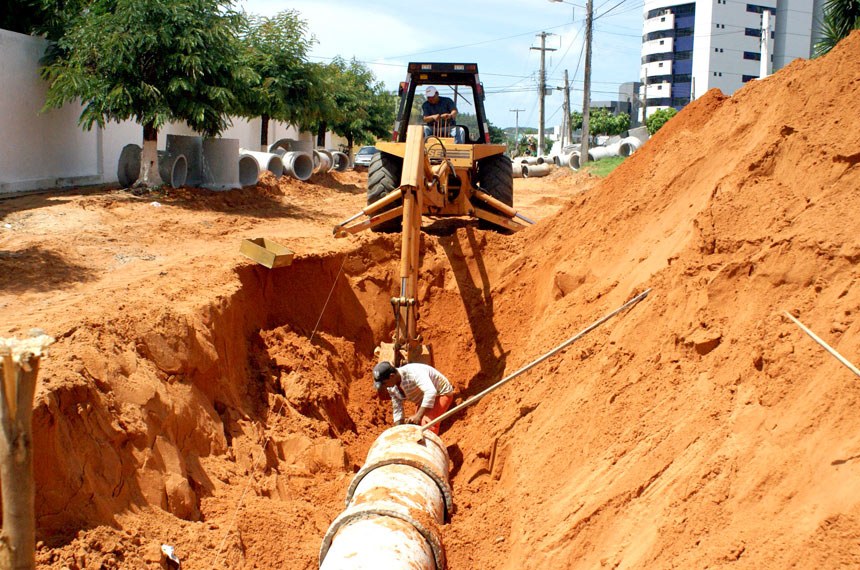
x,y
496,178
383,176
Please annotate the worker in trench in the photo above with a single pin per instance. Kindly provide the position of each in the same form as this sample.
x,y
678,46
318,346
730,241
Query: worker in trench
x,y
419,383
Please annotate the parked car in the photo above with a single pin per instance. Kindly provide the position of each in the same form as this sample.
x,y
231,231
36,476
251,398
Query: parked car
x,y
363,156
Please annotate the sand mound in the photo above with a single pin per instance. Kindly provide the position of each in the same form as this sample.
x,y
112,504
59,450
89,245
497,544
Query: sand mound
x,y
702,428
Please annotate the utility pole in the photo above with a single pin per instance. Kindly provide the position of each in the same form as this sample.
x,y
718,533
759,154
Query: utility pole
x,y
567,130
517,128
543,49
586,99
764,67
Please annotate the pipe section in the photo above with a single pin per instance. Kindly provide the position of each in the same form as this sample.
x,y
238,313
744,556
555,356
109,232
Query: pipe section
x,y
173,169
220,166
341,161
298,165
249,170
128,166
536,170
394,507
191,147
628,146
519,169
322,161
265,161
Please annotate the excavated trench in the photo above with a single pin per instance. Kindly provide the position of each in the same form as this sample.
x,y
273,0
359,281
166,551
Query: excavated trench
x,y
264,385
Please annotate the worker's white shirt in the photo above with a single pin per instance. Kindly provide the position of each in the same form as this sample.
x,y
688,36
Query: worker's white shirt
x,y
419,384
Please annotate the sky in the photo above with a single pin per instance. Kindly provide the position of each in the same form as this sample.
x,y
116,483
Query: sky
x,y
496,34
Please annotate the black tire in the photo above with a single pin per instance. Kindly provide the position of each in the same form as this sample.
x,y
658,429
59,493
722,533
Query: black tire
x,y
496,178
383,176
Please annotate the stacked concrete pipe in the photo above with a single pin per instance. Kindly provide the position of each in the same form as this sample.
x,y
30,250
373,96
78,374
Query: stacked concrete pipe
x,y
191,147
299,165
341,160
172,168
265,161
221,166
322,161
395,506
519,169
628,146
535,170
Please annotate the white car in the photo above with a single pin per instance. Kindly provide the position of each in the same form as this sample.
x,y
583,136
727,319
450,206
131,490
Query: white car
x,y
363,156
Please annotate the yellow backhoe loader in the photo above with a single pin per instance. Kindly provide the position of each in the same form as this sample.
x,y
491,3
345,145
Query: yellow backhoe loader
x,y
413,176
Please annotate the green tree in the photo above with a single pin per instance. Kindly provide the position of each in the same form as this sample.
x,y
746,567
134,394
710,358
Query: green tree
x,y
602,122
351,103
576,121
276,49
840,17
497,135
151,61
47,18
657,119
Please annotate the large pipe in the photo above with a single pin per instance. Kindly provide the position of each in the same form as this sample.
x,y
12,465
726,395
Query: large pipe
x,y
191,147
173,169
128,166
536,170
519,169
221,164
249,170
628,146
266,161
341,161
395,506
298,165
322,161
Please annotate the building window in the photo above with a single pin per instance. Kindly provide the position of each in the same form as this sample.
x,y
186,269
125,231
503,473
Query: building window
x,y
661,64
662,42
752,55
718,50
756,9
752,32
746,78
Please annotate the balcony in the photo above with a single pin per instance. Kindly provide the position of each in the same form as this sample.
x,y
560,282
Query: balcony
x,y
658,46
664,22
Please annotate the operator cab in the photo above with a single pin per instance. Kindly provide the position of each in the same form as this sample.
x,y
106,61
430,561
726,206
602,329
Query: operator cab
x,y
459,82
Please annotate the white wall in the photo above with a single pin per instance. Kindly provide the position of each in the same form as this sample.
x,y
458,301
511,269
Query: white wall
x,y
49,150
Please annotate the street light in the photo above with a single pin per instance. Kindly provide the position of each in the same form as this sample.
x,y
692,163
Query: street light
x,y
572,10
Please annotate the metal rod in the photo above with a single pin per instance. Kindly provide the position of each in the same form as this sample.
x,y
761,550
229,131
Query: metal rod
x,y
534,363
826,346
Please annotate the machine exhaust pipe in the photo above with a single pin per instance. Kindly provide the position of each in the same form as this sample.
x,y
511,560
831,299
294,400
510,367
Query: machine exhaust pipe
x,y
395,507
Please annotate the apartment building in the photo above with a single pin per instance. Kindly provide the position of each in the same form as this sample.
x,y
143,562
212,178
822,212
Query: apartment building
x,y
691,47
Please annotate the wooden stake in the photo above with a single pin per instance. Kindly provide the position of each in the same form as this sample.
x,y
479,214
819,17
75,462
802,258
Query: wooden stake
x,y
20,364
826,346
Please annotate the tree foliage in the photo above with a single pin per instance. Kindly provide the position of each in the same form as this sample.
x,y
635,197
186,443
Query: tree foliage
x,y
276,49
657,119
576,121
350,102
602,122
840,18
47,18
151,61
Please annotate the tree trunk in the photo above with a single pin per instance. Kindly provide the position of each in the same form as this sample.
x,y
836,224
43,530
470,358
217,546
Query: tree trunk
x,y
149,176
349,141
17,387
264,133
321,135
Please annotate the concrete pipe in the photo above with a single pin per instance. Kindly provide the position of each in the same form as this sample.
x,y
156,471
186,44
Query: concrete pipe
x,y
173,169
322,161
249,170
536,170
628,146
265,161
128,166
341,161
298,165
191,147
575,162
519,169
600,152
221,164
395,506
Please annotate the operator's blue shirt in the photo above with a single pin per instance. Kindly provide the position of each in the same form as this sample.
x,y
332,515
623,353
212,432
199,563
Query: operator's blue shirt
x,y
444,105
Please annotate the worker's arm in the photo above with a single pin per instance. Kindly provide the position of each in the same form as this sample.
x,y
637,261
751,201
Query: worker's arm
x,y
397,409
416,417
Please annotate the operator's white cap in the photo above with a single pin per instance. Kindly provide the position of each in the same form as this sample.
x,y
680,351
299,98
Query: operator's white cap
x,y
430,91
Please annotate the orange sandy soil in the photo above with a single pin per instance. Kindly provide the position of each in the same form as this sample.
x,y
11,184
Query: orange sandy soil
x,y
196,399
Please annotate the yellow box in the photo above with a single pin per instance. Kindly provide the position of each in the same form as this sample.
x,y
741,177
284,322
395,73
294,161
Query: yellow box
x,y
266,252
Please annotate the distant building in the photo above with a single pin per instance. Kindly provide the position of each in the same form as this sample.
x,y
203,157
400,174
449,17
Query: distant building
x,y
628,102
691,47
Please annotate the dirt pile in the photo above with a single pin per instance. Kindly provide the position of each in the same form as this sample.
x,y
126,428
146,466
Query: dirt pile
x,y
702,428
